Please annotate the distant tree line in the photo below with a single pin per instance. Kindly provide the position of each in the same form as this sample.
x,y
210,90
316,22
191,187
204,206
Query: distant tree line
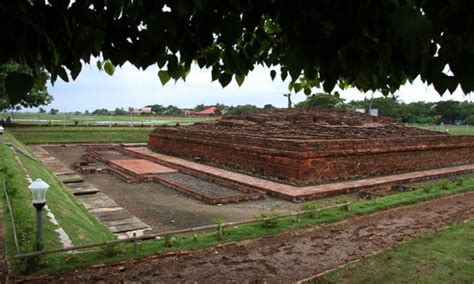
x,y
448,112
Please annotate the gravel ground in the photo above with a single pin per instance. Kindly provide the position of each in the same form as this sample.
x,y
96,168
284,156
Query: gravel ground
x,y
166,209
115,155
199,185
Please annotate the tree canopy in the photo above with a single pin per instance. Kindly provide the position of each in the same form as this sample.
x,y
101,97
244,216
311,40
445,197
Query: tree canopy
x,y
371,45
321,100
36,96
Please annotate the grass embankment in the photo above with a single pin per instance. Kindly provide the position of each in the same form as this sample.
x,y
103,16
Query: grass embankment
x,y
445,256
71,215
80,134
261,229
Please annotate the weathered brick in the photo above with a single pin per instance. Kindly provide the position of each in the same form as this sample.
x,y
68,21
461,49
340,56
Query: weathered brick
x,y
316,146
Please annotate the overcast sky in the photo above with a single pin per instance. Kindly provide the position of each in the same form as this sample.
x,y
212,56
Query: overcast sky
x,y
129,86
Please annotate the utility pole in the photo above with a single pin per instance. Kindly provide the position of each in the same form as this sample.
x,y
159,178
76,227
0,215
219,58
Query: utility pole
x,y
289,99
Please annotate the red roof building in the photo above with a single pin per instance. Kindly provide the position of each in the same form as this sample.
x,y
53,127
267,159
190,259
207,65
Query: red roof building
x,y
208,111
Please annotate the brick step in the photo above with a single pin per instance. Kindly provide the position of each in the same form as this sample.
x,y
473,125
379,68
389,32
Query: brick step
x,y
232,184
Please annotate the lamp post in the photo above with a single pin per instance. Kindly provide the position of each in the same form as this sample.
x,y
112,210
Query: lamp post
x,y
38,189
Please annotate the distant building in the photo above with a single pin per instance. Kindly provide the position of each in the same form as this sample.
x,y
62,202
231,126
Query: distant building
x,y
210,111
146,110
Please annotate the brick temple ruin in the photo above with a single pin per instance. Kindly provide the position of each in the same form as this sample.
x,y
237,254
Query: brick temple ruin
x,y
293,154
303,147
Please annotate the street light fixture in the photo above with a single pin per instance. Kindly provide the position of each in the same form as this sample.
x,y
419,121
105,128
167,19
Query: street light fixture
x,y
38,189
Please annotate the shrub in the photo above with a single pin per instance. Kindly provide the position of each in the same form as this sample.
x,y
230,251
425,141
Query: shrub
x,y
444,184
426,189
111,250
268,219
170,241
307,207
220,232
460,181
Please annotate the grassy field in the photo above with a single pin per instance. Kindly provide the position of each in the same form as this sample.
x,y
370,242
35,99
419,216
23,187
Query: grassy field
x,y
33,135
452,129
62,119
442,257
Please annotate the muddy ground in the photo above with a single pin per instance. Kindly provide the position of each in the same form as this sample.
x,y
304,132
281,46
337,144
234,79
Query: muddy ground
x,y
166,209
291,256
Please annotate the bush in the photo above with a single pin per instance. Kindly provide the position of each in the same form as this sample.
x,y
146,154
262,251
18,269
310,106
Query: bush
x,y
307,207
426,189
220,232
444,184
460,181
111,250
268,219
170,241
470,119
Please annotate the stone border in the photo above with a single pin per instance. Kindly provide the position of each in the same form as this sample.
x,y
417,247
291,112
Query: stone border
x,y
93,154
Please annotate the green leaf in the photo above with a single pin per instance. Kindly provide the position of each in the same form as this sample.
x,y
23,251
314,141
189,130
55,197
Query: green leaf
x,y
284,74
75,70
225,79
18,85
99,65
307,91
164,76
240,79
63,74
42,78
273,74
109,67
215,74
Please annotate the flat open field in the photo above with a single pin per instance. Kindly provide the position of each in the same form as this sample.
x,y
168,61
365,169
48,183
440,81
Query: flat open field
x,y
32,135
452,129
62,119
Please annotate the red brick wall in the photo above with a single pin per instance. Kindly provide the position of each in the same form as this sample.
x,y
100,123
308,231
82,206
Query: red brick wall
x,y
314,161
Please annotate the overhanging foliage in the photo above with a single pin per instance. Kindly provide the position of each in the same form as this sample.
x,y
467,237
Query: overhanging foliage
x,y
372,45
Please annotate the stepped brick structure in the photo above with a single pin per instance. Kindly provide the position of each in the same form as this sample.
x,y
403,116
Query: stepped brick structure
x,y
313,146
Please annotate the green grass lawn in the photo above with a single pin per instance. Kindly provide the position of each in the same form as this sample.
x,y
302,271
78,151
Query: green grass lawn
x,y
80,134
452,129
62,119
443,257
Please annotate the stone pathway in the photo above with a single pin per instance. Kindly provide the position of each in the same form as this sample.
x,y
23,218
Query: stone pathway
x,y
290,192
63,236
119,221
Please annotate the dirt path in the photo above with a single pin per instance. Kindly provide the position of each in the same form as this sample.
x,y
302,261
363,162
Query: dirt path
x,y
295,255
